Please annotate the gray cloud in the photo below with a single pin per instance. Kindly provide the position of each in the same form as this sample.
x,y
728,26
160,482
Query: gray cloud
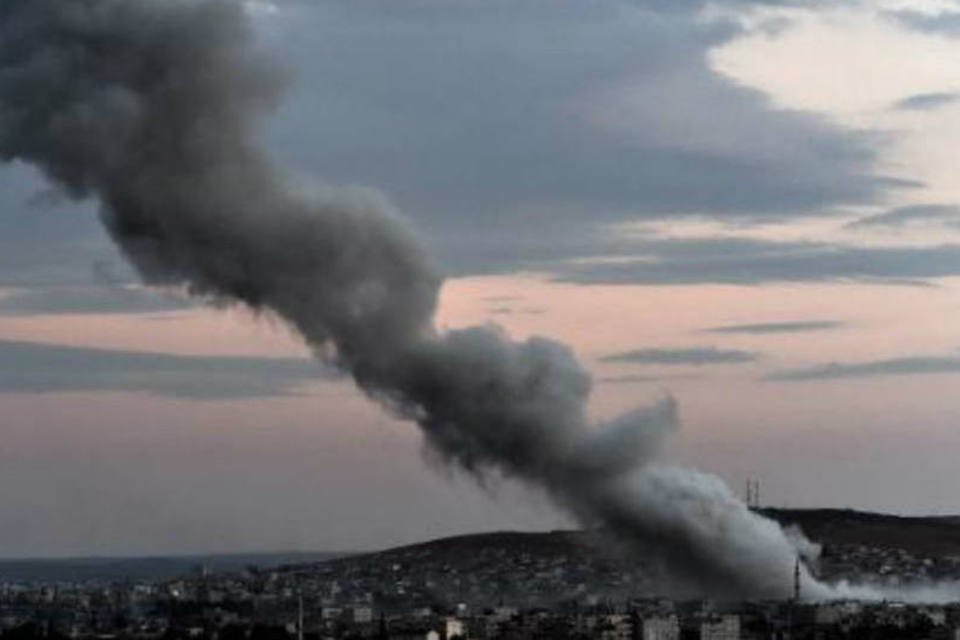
x,y
75,270
697,356
777,327
48,368
89,299
620,123
628,379
944,23
944,213
926,101
641,379
911,365
728,261
474,121
507,310
73,241
616,258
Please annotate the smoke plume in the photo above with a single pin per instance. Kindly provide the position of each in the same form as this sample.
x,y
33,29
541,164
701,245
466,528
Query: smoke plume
x,y
152,108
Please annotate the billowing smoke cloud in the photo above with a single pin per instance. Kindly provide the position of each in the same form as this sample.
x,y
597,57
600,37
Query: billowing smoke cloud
x,y
151,107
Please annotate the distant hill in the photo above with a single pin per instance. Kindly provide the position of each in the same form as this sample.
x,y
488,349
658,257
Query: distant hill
x,y
933,535
923,536
143,568
937,536
535,543
927,536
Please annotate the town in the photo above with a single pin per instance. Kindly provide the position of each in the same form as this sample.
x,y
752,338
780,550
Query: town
x,y
511,586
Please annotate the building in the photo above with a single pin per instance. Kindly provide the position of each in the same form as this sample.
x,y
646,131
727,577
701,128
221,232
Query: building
x,y
614,627
415,633
660,628
358,614
720,628
454,628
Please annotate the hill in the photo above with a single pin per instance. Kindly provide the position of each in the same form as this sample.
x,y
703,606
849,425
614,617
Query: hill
x,y
927,536
92,569
918,536
923,536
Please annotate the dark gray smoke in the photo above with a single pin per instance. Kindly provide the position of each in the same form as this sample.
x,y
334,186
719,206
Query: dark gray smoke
x,y
150,106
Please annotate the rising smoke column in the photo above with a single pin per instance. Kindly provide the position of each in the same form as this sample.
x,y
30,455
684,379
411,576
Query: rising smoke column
x,y
152,106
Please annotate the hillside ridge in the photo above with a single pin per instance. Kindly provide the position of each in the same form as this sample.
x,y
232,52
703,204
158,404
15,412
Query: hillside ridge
x,y
924,535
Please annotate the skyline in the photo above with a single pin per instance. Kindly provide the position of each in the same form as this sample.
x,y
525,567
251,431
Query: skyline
x,y
693,198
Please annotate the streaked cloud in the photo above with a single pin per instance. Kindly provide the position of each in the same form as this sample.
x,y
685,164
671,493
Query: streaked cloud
x,y
948,214
627,121
46,240
507,311
743,261
695,356
911,365
88,300
938,22
31,367
644,379
927,101
628,379
261,7
777,327
472,120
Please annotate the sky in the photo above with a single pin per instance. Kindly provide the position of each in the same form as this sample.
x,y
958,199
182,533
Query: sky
x,y
751,207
